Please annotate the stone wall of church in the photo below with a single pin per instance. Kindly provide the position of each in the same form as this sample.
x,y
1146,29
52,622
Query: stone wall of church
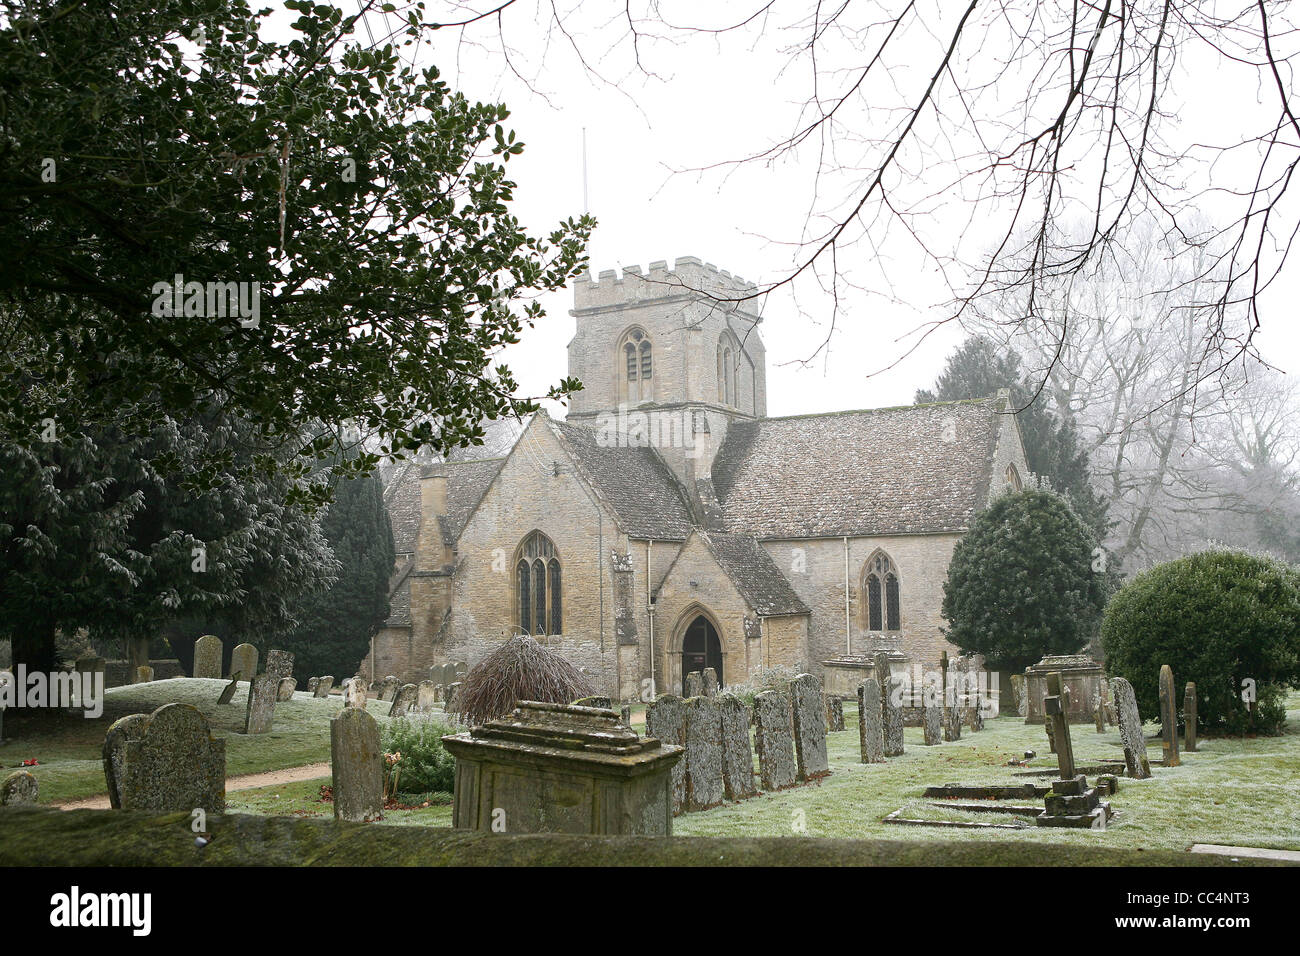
x,y
1009,451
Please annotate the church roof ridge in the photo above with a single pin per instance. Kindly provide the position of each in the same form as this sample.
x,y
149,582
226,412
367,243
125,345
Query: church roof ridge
x,y
882,409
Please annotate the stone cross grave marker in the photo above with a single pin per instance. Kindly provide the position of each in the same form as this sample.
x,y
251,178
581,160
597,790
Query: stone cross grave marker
x,y
809,727
174,763
261,704
1054,708
404,701
773,740
1130,729
871,739
1189,717
665,720
208,651
286,687
324,685
1168,717
703,753
357,766
243,661
228,693
737,757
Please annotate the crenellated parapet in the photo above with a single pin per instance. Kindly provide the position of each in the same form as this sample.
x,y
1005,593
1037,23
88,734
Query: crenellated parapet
x,y
688,275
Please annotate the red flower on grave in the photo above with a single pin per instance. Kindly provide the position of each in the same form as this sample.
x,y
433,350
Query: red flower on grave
x,y
31,763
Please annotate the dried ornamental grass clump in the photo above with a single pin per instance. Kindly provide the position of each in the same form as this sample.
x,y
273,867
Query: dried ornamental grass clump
x,y
521,669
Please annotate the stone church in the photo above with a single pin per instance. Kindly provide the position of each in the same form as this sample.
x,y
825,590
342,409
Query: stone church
x,y
668,524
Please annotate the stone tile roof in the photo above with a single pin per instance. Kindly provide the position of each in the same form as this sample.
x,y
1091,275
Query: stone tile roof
x,y
754,573
911,470
635,481
402,499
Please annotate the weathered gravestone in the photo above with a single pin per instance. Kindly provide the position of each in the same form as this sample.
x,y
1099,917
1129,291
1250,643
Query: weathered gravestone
x,y
389,687
440,693
404,701
703,753
1051,736
1168,717
460,668
243,660
955,703
1018,695
357,766
453,698
1189,718
311,685
1057,718
773,740
354,693
625,713
114,753
143,674
809,727
694,685
19,787
279,663
1099,708
710,679
174,763
1130,729
737,757
262,693
425,697
323,686
871,737
665,720
208,651
1070,802
932,722
834,713
891,717
228,693
286,688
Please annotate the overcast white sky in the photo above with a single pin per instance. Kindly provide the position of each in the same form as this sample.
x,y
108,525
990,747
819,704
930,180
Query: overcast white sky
x,y
714,100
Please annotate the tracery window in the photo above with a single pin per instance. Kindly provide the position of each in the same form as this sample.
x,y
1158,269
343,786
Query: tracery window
x,y
636,376
538,587
883,601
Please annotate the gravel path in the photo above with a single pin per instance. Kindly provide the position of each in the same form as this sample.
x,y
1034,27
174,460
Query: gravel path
x,y
247,781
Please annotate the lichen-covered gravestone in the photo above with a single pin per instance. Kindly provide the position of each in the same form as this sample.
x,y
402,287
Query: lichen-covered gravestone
x,y
694,684
311,685
174,763
891,716
1018,695
932,722
279,663
425,697
1168,717
19,787
1189,718
703,753
773,741
208,650
834,713
357,766
324,685
665,720
228,693
710,678
354,693
871,737
453,699
404,701
243,660
115,741
286,688
262,693
1130,729
389,687
809,727
737,757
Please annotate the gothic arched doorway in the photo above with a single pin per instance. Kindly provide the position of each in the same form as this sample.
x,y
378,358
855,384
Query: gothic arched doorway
x,y
701,648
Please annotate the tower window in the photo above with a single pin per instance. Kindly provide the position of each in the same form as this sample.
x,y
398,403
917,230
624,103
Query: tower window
x,y
635,383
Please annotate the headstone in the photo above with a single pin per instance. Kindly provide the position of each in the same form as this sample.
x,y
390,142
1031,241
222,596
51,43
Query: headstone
x,y
1112,714
311,685
261,704
737,756
694,687
115,741
1099,709
1189,718
208,651
323,686
440,692
357,766
425,698
174,763
703,753
932,721
406,698
243,660
228,694
286,688
710,678
1130,729
809,727
389,687
461,669
453,699
1018,694
952,724
626,714
975,703
665,720
143,674
870,733
279,663
19,787
1168,717
773,740
834,713
354,693
891,717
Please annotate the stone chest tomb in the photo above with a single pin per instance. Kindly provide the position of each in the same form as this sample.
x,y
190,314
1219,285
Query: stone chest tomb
x,y
557,768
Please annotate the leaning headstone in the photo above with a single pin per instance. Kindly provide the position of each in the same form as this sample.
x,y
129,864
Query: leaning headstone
x,y
703,753
1055,711
1189,718
932,722
19,787
208,650
311,685
354,693
1168,717
694,684
389,687
287,686
404,701
115,741
424,697
891,717
228,694
773,740
834,713
174,763
1019,696
279,663
710,678
261,704
737,756
243,660
809,727
143,674
323,686
357,766
871,737
1130,729
665,720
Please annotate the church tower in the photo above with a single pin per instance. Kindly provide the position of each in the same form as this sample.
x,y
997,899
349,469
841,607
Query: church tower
x,y
668,358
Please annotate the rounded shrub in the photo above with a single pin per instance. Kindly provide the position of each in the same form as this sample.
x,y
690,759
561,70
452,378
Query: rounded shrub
x,y
1226,620
425,765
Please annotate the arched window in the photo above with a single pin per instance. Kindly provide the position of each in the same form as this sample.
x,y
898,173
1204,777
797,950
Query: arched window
x,y
728,356
884,606
1013,478
636,375
538,586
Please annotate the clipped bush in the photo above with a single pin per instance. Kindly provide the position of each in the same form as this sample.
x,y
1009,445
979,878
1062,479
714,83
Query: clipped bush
x,y
425,765
1218,618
